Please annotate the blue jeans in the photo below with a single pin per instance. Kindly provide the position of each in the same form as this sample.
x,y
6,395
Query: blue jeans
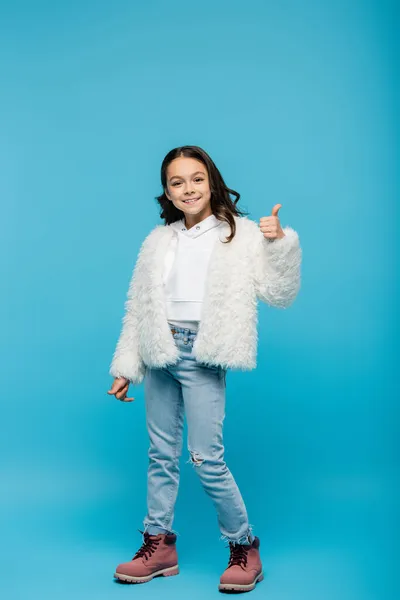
x,y
197,390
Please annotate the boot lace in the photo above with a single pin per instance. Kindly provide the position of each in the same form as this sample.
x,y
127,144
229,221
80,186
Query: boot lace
x,y
238,555
148,547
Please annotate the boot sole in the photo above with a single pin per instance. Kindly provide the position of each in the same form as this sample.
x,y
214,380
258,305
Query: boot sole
x,y
237,587
132,579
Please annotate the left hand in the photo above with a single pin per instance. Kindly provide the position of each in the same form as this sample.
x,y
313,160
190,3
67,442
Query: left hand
x,y
270,226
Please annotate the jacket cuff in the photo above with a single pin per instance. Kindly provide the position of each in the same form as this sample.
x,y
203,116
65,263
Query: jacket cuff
x,y
126,368
279,247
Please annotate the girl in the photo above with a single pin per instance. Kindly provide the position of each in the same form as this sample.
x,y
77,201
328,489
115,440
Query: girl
x,y
190,315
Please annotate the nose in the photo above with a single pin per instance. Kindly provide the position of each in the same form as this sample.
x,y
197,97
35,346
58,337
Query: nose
x,y
189,191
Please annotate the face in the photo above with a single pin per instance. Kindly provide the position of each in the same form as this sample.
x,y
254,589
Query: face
x,y
187,179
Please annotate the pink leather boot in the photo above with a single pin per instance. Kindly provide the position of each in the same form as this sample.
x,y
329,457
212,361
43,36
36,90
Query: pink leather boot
x,y
157,556
244,568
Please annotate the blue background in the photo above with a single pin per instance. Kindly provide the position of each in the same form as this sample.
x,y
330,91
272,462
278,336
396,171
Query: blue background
x,y
296,103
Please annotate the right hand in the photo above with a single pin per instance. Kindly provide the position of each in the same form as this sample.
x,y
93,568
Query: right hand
x,y
120,389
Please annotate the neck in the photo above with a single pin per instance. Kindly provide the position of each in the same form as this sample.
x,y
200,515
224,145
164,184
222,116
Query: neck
x,y
191,220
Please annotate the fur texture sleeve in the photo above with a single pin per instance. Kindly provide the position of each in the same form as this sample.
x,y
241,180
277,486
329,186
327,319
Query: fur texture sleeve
x,y
127,361
277,268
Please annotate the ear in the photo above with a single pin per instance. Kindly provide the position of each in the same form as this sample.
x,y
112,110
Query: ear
x,y
166,193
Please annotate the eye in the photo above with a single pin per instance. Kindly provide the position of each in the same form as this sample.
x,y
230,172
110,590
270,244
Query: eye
x,y
199,179
176,183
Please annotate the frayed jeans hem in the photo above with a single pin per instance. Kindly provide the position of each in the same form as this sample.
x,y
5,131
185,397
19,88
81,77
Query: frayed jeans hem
x,y
247,538
155,530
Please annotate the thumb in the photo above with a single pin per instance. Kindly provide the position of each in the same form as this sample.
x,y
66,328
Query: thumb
x,y
275,210
117,385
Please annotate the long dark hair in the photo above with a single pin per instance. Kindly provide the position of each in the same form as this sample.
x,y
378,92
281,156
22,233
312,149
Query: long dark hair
x,y
222,206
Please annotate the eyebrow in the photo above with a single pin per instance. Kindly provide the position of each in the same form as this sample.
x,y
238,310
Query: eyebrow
x,y
179,176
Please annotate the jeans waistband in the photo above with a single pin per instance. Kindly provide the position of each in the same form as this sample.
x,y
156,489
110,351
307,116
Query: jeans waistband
x,y
184,330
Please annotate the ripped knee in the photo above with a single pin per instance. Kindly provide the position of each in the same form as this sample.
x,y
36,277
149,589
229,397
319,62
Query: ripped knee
x,y
195,458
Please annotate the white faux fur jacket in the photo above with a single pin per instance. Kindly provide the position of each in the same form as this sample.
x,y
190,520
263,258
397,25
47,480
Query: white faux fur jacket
x,y
240,272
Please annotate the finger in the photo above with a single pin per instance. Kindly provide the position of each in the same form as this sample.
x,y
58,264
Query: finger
x,y
117,383
269,221
275,210
127,399
115,387
272,223
122,392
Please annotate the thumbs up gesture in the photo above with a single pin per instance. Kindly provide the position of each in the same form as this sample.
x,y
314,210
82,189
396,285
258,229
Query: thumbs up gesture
x,y
270,226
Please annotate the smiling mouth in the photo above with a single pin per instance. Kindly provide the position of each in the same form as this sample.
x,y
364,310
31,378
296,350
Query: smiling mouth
x,y
191,201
